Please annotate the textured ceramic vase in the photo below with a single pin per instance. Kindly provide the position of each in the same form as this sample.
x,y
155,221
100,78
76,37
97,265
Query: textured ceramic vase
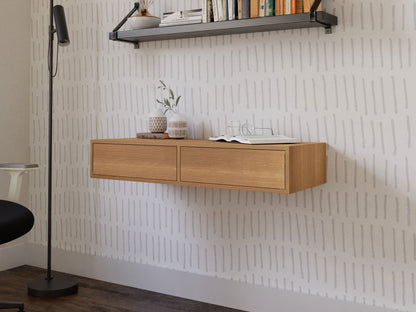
x,y
157,121
177,127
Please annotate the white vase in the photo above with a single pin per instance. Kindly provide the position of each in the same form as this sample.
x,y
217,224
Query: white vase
x,y
157,121
177,126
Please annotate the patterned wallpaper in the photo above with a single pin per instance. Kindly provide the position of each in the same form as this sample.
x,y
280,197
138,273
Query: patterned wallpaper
x,y
353,238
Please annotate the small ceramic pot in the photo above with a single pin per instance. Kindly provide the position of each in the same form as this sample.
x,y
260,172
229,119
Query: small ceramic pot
x,y
157,121
177,126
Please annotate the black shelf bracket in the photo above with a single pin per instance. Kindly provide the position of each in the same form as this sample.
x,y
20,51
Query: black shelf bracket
x,y
314,16
114,33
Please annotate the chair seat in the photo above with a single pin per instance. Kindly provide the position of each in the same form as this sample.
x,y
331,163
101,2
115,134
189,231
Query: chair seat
x,y
15,221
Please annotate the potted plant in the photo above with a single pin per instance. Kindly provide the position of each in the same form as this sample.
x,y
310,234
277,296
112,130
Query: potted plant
x,y
177,127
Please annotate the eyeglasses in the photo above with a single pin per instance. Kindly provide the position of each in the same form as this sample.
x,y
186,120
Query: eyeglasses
x,y
235,128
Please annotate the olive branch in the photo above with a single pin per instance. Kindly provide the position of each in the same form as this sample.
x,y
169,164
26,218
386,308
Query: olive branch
x,y
169,103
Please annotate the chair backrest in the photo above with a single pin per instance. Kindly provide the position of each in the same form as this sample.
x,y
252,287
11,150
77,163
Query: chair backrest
x,y
16,172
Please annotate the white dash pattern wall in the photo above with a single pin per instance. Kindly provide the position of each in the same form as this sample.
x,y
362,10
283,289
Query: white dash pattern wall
x,y
352,239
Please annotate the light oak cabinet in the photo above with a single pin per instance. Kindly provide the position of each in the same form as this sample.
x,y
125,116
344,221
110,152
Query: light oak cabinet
x,y
283,168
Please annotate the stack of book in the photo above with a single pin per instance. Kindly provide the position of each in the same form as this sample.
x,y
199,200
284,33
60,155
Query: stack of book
x,y
223,10
181,18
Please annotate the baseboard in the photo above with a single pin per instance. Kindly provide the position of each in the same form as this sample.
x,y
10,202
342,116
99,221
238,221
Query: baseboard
x,y
13,255
191,286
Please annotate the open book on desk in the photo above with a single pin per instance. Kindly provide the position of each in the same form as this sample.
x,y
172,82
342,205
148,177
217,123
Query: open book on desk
x,y
256,139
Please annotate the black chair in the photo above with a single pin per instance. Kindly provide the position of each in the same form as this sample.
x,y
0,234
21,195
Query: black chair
x,y
15,221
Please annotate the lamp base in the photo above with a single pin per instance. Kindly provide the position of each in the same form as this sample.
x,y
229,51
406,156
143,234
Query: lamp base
x,y
56,287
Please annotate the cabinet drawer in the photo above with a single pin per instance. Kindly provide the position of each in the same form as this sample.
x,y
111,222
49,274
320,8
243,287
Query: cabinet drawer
x,y
136,162
234,167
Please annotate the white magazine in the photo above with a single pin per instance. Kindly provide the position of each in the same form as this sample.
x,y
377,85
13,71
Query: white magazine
x,y
256,139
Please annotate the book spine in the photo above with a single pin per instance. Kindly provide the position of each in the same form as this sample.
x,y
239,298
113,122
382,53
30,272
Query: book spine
x,y
239,9
278,7
254,8
262,8
220,9
231,10
270,7
215,9
204,11
210,12
246,8
225,9
293,6
288,6
306,6
299,6
148,135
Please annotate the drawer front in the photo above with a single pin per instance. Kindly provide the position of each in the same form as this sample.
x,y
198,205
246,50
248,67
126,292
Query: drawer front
x,y
235,167
135,161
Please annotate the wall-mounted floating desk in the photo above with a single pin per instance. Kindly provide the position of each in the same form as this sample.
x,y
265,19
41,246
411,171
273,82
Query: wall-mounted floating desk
x,y
282,168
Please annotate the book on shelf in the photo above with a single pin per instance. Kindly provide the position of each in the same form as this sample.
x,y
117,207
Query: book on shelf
x,y
243,9
293,4
151,135
299,6
225,9
270,8
262,8
222,10
210,12
307,4
256,139
181,17
279,7
231,9
254,8
204,4
215,10
288,7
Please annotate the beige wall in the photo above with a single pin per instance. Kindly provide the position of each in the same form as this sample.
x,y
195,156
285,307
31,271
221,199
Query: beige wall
x,y
14,84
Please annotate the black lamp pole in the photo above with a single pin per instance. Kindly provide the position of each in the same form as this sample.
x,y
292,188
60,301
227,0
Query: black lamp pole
x,y
53,286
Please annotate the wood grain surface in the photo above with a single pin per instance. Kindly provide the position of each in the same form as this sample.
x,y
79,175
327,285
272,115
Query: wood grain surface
x,y
236,167
277,168
95,295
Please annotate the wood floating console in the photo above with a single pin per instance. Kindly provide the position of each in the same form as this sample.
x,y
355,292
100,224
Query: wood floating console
x,y
278,168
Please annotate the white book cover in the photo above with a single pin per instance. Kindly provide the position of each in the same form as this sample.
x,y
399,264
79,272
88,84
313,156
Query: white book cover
x,y
191,18
262,9
288,7
220,7
225,9
185,22
215,10
231,10
256,139
204,4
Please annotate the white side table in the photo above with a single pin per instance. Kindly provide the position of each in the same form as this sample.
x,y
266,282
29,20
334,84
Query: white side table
x,y
16,172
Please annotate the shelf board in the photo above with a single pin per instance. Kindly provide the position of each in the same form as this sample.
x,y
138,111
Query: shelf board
x,y
250,25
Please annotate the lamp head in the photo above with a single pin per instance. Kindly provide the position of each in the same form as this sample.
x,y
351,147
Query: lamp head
x,y
60,24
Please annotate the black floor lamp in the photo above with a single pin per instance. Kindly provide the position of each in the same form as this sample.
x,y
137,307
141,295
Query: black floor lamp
x,y
53,286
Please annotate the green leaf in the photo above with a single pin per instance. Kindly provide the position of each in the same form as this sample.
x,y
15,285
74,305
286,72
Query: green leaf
x,y
177,100
167,103
171,94
160,102
163,84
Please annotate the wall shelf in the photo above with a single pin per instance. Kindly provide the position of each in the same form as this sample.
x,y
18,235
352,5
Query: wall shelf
x,y
250,25
275,168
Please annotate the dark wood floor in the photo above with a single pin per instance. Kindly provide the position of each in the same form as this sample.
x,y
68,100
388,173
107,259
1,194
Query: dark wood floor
x,y
95,296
